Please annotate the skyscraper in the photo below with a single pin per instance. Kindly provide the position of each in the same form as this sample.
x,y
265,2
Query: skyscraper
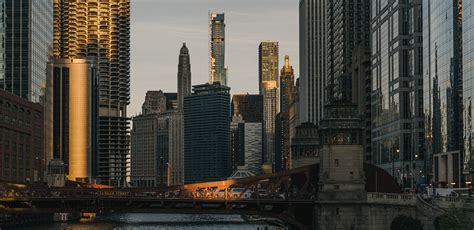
x,y
313,55
207,134
442,90
26,34
184,75
287,93
348,27
468,92
397,111
101,29
217,69
70,115
268,76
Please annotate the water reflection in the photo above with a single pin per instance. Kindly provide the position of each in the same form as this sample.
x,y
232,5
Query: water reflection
x,y
155,221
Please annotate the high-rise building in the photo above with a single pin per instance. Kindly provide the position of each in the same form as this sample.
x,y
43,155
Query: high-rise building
x,y
442,90
313,56
207,134
268,76
294,112
26,32
468,92
150,149
70,115
362,92
305,145
155,102
22,137
184,75
217,69
397,85
101,29
348,26
248,106
250,146
287,93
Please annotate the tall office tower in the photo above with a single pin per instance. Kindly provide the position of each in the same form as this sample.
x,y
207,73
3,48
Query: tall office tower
x,y
294,111
70,115
184,75
362,93
155,102
313,66
287,93
22,138
268,77
101,29
397,111
26,34
248,106
468,93
207,134
348,27
150,149
250,147
442,90
217,69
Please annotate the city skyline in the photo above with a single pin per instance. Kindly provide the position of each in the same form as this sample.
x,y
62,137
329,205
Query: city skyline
x,y
243,34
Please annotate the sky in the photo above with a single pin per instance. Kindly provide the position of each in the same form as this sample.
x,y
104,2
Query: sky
x,y
159,28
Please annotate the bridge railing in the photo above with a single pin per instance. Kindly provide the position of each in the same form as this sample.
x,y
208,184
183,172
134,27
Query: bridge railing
x,y
446,202
390,198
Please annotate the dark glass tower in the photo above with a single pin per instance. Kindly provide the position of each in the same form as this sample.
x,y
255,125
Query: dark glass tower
x,y
26,35
207,134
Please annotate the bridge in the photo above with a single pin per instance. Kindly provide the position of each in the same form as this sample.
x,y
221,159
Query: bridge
x,y
289,196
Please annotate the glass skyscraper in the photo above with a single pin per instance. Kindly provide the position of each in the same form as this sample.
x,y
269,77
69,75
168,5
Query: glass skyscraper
x,y
217,69
26,34
397,85
442,89
468,87
207,120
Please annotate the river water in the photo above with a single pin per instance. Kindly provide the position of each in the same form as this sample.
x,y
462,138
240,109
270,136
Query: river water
x,y
155,221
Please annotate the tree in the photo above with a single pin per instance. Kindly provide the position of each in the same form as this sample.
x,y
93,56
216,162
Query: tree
x,y
454,219
403,222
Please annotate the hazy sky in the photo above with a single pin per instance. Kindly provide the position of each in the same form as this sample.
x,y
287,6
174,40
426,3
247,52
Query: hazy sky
x,y
159,27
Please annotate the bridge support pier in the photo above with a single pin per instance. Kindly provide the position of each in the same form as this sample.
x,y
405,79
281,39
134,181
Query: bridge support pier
x,y
65,217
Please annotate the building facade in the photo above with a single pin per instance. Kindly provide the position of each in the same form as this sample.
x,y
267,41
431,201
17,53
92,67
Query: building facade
x,y
348,27
26,32
102,30
397,85
313,59
305,145
184,75
287,94
217,68
361,93
468,89
22,136
442,90
207,121
71,104
268,76
248,106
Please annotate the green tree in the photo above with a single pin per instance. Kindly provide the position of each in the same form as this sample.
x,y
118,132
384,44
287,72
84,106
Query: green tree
x,y
403,222
454,219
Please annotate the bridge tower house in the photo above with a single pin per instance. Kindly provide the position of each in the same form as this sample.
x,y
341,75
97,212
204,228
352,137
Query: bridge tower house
x,y
341,177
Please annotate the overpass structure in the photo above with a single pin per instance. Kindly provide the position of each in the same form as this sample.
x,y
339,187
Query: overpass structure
x,y
291,197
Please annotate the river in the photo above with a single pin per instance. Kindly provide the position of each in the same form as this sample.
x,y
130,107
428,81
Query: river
x,y
155,221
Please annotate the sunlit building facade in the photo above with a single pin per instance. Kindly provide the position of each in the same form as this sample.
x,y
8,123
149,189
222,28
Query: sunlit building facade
x,y
217,68
268,80
397,85
70,111
26,36
468,88
101,29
